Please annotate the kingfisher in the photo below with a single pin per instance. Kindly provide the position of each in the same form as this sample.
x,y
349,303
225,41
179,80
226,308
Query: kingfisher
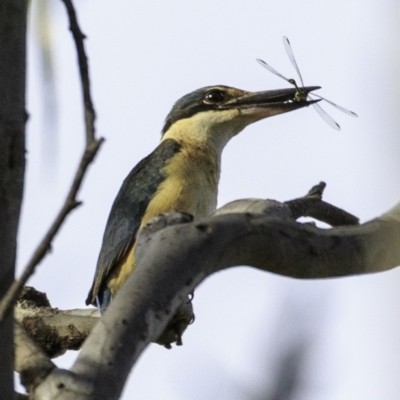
x,y
182,173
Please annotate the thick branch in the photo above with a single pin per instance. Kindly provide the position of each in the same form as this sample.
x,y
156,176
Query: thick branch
x,y
12,163
57,331
30,360
173,261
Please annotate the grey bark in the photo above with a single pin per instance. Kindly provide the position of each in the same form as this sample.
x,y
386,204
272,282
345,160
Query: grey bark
x,y
57,331
174,260
12,162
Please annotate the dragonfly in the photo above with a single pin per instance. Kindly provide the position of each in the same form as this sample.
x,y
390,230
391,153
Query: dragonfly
x,y
300,94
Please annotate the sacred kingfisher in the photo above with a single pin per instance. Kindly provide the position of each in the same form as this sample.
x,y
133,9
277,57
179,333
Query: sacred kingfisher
x,y
182,173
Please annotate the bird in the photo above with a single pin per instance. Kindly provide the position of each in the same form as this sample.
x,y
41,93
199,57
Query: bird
x,y
182,173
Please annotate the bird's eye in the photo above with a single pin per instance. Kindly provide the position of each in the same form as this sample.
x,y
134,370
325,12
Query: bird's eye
x,y
214,96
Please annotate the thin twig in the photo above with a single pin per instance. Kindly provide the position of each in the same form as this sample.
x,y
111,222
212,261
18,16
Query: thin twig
x,y
79,36
92,146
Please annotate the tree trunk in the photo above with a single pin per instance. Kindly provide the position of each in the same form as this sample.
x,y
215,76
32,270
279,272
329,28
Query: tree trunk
x,y
12,163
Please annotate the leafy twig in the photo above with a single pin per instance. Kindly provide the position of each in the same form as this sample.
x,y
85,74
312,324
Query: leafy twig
x,y
92,146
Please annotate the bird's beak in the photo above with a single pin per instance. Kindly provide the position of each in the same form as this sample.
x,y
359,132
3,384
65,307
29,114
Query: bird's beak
x,y
258,105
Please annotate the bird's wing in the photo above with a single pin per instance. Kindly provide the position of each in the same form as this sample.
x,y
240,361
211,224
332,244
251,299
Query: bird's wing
x,y
128,209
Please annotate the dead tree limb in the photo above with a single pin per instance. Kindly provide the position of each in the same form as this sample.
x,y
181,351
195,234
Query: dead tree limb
x,y
54,330
174,260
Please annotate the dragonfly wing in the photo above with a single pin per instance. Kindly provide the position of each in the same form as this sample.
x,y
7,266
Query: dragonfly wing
x,y
270,69
345,110
326,117
292,59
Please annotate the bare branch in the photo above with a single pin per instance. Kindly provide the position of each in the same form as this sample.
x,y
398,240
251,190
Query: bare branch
x,y
174,260
31,361
79,36
56,331
312,205
71,202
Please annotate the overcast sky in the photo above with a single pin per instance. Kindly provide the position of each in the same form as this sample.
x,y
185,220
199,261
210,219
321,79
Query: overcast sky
x,y
143,57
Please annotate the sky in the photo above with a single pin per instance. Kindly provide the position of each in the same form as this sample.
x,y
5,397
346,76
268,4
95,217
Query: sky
x,y
143,57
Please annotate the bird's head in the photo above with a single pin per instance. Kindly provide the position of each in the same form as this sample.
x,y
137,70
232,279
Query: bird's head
x,y
217,113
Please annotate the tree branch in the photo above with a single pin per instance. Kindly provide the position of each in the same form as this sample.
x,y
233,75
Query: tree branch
x,y
174,260
312,205
79,36
31,361
71,202
54,330
13,116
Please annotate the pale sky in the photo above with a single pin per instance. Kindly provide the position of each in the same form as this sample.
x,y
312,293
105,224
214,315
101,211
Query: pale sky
x,y
143,57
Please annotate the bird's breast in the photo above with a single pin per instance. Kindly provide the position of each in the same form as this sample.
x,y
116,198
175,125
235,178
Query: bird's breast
x,y
191,183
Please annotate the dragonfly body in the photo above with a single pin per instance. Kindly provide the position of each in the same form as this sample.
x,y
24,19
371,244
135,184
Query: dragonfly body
x,y
301,95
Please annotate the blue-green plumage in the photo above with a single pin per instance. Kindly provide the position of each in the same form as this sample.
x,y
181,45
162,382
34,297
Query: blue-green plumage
x,y
126,214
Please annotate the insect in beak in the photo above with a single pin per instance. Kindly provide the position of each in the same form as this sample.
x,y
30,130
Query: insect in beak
x,y
301,95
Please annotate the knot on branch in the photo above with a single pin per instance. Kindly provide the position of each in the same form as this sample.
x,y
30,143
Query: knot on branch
x,y
177,326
